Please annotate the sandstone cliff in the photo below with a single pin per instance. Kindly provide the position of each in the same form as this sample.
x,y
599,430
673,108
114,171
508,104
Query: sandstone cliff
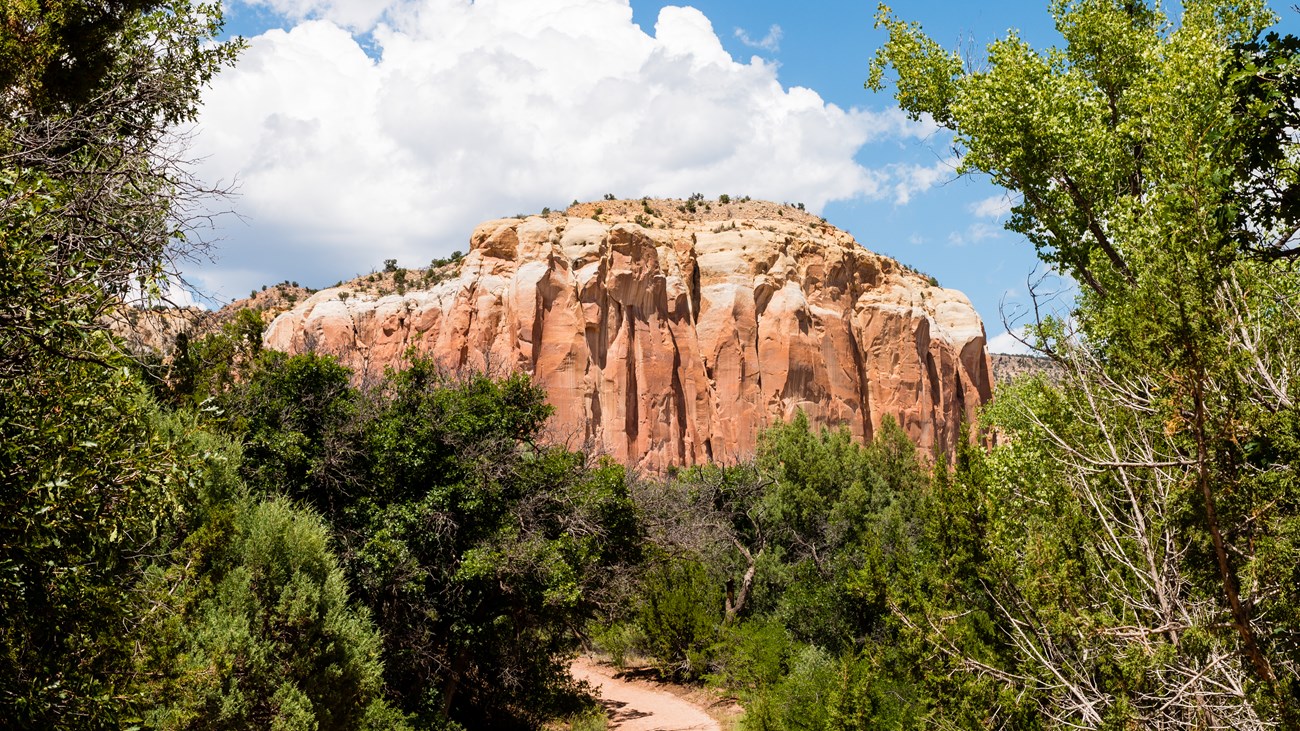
x,y
667,336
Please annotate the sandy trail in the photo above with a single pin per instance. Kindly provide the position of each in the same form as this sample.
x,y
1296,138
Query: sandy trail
x,y
634,707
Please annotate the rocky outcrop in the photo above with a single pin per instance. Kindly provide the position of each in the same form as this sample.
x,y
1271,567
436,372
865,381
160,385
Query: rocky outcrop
x,y
1009,367
154,330
668,338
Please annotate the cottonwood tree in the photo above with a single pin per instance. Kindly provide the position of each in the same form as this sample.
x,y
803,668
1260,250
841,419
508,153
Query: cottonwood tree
x,y
1150,499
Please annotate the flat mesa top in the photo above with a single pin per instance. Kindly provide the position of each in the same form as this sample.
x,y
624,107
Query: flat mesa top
x,y
656,211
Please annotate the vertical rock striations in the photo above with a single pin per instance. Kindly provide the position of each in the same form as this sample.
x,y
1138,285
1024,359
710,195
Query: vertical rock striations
x,y
671,340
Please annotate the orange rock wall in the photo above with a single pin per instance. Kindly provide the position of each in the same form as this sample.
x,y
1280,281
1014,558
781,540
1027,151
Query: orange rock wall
x,y
673,346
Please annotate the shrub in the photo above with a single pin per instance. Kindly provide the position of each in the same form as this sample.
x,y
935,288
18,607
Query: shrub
x,y
800,700
269,633
680,617
592,720
753,654
476,549
620,641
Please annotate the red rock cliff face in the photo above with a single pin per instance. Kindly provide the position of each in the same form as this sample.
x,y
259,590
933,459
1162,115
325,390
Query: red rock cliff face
x,y
675,342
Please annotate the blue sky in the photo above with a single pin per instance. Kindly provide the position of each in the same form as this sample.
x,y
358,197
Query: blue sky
x,y
362,130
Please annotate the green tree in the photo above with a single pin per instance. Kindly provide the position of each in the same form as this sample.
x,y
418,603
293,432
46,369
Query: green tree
x,y
90,203
203,367
478,550
1134,510
301,422
83,476
680,617
96,203
265,636
60,52
781,580
485,550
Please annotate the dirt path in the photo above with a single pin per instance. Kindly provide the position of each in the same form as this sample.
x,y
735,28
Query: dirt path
x,y
636,707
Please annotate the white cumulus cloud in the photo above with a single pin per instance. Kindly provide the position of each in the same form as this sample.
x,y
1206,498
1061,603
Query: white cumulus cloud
x,y
449,112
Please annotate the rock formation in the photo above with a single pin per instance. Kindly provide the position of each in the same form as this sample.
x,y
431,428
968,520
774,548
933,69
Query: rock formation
x,y
669,335
1008,367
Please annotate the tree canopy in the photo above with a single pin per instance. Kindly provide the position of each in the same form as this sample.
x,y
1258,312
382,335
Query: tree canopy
x,y
1154,163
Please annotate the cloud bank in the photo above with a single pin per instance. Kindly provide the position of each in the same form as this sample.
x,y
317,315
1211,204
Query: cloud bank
x,y
348,152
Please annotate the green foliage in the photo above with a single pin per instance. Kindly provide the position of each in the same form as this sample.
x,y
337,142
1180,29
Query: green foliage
x,y
680,617
90,92
204,368
135,576
1081,132
798,698
477,550
1265,81
596,720
297,417
754,655
60,54
266,634
433,274
1130,508
496,545
620,641
140,580
84,482
784,580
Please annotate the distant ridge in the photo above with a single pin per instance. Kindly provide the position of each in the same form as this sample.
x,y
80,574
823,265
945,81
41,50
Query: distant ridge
x,y
1008,367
